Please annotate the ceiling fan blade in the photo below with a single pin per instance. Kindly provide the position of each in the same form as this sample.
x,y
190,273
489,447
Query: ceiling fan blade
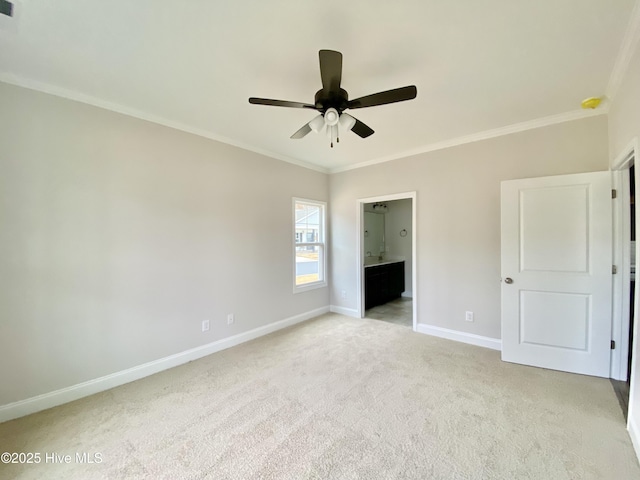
x,y
302,132
330,70
361,129
279,103
382,98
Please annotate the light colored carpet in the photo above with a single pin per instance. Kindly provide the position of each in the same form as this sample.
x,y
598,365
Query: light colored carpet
x,y
338,398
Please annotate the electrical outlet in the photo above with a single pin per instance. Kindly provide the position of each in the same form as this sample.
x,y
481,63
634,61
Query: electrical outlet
x,y
468,316
230,319
343,294
205,325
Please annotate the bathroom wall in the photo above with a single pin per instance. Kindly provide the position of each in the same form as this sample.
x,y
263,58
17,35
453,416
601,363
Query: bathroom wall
x,y
398,218
373,235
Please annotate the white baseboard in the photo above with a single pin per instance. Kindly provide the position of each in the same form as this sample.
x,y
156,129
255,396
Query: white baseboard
x,y
407,294
349,312
479,340
634,433
84,389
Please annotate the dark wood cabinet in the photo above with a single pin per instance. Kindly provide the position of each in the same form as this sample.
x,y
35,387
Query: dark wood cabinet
x,y
383,283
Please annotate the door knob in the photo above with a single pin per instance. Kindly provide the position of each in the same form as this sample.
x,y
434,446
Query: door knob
x,y
508,280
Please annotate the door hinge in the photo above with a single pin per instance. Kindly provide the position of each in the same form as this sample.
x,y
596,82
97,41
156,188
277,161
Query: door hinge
x,y
613,344
614,193
614,269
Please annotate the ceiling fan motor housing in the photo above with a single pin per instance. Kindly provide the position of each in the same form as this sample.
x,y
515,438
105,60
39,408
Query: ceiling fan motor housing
x,y
325,100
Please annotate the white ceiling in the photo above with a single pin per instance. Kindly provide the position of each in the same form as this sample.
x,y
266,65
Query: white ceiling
x,y
479,66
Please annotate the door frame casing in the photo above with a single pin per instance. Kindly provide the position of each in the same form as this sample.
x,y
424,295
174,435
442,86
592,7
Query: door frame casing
x,y
360,248
620,321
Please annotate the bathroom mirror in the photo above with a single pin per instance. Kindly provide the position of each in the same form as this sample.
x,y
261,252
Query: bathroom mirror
x,y
373,235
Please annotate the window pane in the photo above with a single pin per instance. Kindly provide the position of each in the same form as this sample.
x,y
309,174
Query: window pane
x,y
308,223
309,218
308,264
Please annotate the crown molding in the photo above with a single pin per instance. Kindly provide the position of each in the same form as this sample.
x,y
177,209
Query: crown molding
x,y
139,114
475,137
487,134
627,49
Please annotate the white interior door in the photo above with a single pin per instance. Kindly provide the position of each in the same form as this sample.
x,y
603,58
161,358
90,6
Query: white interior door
x,y
556,272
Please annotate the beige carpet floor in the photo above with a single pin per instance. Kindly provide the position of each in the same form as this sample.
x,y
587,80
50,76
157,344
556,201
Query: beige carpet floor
x,y
337,398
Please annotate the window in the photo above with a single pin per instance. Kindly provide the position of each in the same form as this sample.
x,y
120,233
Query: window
x,y
309,248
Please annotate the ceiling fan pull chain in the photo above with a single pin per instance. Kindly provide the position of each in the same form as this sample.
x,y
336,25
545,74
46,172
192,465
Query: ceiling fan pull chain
x,y
334,133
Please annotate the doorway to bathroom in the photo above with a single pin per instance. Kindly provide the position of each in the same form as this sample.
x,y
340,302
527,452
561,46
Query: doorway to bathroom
x,y
387,258
625,302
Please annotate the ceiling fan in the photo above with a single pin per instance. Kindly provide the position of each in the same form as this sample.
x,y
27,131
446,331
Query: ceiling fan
x,y
331,101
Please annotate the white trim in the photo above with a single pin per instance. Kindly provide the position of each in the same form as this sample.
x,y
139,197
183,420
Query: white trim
x,y
388,197
359,257
414,257
625,53
407,294
84,389
487,134
471,338
349,312
149,117
634,433
309,286
413,196
132,112
621,281
622,161
632,421
620,322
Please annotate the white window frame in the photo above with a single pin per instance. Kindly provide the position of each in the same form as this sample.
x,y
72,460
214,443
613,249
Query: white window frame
x,y
321,244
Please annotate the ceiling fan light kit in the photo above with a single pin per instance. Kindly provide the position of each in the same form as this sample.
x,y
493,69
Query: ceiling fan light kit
x,y
347,121
331,117
331,101
316,124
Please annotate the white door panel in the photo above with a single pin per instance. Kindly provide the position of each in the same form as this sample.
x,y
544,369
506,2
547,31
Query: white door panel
x,y
556,247
558,242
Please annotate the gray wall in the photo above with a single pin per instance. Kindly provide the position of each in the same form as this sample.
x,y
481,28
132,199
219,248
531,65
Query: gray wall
x,y
120,236
458,215
624,126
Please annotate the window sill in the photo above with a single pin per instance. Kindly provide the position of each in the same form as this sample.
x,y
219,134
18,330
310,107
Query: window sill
x,y
309,286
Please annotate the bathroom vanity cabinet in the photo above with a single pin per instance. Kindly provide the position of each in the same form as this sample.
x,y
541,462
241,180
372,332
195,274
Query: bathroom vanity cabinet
x,y
383,282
